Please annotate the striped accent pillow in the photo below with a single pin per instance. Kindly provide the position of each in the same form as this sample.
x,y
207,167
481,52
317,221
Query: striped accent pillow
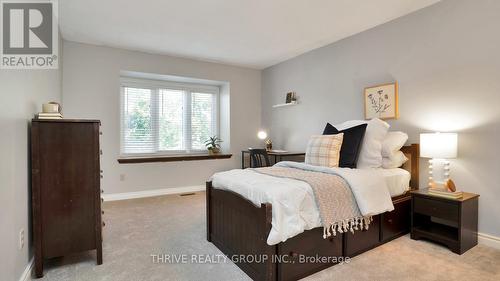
x,y
324,150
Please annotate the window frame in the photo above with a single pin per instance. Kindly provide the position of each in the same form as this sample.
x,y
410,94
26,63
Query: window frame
x,y
155,86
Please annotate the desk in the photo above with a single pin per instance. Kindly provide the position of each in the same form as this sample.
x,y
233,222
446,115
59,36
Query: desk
x,y
277,156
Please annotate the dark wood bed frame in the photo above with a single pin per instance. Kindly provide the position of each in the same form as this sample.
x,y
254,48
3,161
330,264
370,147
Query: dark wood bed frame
x,y
240,230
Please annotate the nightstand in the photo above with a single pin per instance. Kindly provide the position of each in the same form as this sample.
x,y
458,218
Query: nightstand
x,y
452,222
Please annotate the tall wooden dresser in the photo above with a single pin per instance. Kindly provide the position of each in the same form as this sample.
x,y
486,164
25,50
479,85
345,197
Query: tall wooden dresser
x,y
66,194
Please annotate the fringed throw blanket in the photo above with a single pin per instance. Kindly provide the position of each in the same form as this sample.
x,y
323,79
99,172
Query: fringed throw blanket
x,y
336,203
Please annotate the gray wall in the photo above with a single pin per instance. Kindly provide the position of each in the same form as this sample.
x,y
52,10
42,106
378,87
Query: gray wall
x,y
446,59
22,94
91,89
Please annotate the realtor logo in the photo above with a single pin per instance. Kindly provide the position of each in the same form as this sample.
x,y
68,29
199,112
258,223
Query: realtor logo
x,y
29,34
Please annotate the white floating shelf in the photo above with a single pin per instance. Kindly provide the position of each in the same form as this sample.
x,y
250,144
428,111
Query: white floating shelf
x,y
285,104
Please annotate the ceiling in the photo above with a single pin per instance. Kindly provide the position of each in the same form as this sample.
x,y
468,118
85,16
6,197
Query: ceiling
x,y
251,33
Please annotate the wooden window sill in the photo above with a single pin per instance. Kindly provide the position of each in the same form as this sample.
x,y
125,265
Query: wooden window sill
x,y
173,158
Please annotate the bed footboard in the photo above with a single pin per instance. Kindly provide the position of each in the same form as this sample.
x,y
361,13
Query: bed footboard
x,y
240,230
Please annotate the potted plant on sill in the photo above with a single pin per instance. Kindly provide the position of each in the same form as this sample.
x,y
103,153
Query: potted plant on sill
x,y
213,145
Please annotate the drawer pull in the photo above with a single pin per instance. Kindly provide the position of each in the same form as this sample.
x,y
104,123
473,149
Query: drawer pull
x,y
102,200
103,224
102,190
102,212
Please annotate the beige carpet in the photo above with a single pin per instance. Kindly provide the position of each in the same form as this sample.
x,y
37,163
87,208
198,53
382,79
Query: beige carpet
x,y
136,229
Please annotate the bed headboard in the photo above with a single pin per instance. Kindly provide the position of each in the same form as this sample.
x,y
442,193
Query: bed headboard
x,y
412,152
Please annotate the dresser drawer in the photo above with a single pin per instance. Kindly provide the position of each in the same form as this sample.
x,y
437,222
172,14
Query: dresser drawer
x,y
302,250
362,240
435,208
396,222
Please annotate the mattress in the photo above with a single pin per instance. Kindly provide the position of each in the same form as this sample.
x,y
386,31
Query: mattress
x,y
397,180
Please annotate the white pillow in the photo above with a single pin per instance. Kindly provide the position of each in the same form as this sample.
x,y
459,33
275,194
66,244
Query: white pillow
x,y
370,155
395,161
392,143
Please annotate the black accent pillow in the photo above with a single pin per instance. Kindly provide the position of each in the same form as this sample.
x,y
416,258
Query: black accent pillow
x,y
351,145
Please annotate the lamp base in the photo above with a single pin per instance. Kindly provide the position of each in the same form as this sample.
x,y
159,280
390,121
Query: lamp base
x,y
439,173
436,185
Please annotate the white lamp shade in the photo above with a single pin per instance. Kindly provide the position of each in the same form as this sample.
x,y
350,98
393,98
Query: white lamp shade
x,y
438,145
262,135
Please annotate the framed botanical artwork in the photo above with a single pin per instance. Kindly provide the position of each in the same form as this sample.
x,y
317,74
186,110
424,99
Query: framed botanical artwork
x,y
381,101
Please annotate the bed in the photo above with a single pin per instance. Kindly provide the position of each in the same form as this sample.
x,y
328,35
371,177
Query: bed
x,y
240,228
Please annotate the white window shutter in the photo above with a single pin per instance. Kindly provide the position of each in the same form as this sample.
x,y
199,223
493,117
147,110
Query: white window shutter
x,y
137,127
167,118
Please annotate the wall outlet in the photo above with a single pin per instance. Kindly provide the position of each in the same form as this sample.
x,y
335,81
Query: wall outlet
x,y
122,177
21,239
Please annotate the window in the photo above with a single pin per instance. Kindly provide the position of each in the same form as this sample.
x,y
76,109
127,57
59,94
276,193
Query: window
x,y
161,118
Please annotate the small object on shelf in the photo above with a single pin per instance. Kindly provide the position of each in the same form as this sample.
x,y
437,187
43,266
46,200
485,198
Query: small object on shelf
x,y
290,97
285,104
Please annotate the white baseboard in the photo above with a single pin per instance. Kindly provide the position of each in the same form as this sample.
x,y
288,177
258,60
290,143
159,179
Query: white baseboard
x,y
151,193
489,240
26,276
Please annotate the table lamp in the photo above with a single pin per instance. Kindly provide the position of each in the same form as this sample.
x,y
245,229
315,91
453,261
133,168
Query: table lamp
x,y
263,136
439,147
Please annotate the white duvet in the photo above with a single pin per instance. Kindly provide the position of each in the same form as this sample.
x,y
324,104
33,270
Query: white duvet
x,y
293,205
